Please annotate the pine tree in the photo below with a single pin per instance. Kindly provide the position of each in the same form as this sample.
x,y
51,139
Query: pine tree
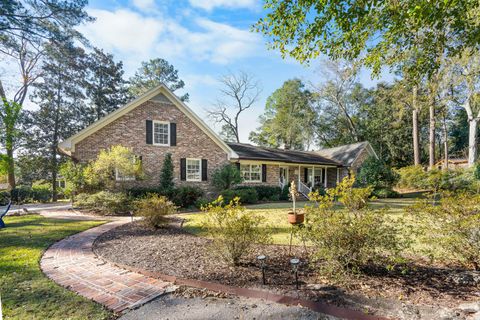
x,y
105,87
166,175
60,100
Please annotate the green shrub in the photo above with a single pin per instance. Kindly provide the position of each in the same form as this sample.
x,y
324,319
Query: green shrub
x,y
374,172
166,175
354,199
26,194
412,177
186,196
453,224
226,177
385,193
234,230
142,192
246,195
41,193
201,203
104,202
265,193
154,209
285,194
344,243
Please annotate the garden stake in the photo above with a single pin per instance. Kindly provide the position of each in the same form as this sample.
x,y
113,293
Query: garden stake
x,y
262,259
294,262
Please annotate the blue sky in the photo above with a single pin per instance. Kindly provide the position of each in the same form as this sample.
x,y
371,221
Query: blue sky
x,y
203,39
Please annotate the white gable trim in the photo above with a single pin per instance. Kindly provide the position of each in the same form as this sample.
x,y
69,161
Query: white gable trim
x,y
68,146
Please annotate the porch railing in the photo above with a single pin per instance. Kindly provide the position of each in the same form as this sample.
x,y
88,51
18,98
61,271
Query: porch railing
x,y
304,189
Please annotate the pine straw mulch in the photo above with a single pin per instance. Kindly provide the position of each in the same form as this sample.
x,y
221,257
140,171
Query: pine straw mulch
x,y
175,252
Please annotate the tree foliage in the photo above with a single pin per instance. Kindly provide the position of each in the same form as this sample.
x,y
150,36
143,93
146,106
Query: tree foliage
x,y
379,32
289,118
166,175
151,74
226,177
105,87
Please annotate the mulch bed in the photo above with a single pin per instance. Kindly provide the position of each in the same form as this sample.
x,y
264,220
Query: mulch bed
x,y
173,251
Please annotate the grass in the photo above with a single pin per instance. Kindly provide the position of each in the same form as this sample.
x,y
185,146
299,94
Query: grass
x,y
25,291
275,216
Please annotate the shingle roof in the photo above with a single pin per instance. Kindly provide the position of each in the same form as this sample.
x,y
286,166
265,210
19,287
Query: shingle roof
x,y
251,152
345,154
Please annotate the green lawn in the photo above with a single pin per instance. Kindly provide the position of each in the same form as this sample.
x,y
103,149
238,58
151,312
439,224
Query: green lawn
x,y
25,292
275,215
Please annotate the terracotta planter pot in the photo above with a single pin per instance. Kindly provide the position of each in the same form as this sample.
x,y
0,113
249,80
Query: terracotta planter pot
x,y
299,218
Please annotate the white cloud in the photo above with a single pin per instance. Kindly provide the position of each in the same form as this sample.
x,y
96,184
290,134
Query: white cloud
x,y
212,41
144,4
231,4
122,30
134,37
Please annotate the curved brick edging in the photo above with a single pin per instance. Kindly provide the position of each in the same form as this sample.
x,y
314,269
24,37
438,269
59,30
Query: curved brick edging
x,y
321,307
72,264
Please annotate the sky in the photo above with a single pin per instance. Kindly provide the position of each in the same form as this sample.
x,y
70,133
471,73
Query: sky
x,y
203,39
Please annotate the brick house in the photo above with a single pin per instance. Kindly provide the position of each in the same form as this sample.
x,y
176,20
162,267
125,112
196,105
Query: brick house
x,y
158,123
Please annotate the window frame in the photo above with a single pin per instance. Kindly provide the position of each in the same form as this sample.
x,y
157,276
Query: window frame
x,y
250,172
118,176
199,169
168,133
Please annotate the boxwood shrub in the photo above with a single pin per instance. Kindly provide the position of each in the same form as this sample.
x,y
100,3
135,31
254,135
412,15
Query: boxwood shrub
x,y
246,195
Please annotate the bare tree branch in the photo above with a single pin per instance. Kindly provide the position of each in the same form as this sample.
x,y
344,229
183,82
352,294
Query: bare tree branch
x,y
239,92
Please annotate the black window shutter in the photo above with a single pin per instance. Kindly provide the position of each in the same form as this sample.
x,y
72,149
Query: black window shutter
x,y
324,173
238,166
173,134
149,132
305,175
204,170
183,169
264,173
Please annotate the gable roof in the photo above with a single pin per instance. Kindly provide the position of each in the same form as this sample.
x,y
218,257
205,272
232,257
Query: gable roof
x,y
347,154
251,152
68,145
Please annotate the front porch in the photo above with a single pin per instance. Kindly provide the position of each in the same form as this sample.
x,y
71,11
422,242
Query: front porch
x,y
308,177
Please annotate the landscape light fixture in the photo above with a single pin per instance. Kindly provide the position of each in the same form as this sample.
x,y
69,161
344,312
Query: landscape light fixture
x,y
295,262
263,263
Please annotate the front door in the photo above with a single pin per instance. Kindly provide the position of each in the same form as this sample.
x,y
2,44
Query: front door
x,y
283,175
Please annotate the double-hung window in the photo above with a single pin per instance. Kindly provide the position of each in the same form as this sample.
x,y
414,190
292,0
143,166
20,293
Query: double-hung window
x,y
194,170
251,172
161,133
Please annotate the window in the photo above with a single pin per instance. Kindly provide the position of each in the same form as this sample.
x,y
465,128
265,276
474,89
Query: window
x,y
194,170
161,133
119,176
251,172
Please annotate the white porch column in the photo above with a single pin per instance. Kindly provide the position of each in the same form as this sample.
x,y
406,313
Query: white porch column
x,y
299,175
325,185
312,177
338,175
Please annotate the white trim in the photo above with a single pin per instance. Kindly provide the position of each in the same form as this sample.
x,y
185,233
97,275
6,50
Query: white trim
x,y
200,169
125,178
68,146
153,133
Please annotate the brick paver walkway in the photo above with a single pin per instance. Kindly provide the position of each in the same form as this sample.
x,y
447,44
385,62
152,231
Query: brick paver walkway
x,y
72,264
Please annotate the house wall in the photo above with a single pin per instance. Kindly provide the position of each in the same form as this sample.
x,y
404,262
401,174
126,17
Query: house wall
x,y
130,131
273,174
360,159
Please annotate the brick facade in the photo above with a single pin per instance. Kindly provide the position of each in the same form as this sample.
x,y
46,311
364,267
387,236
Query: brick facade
x,y
130,131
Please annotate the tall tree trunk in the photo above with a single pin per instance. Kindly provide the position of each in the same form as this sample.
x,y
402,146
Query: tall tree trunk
x,y
431,138
11,170
415,131
445,144
472,141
